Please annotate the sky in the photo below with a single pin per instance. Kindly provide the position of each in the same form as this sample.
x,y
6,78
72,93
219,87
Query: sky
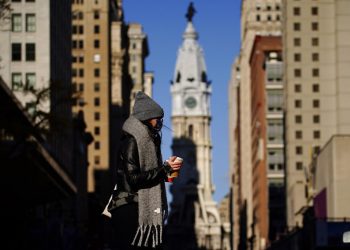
x,y
218,25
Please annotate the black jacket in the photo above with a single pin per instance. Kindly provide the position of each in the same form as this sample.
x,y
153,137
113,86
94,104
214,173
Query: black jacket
x,y
130,178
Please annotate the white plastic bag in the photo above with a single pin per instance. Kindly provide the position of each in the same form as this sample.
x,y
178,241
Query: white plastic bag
x,y
105,211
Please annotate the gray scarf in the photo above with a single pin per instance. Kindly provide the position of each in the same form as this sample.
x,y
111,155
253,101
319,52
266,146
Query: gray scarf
x,y
152,201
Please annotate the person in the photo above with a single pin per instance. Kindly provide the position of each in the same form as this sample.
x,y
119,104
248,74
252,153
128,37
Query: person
x,y
138,205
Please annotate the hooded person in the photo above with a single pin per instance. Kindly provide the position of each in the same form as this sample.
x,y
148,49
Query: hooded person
x,y
138,205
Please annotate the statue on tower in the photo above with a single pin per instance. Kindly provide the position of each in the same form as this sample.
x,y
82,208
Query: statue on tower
x,y
190,12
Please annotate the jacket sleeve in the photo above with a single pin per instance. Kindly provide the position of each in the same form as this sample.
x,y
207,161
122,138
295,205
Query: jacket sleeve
x,y
136,178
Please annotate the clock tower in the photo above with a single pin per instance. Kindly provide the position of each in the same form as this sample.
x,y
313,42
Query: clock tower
x,y
194,221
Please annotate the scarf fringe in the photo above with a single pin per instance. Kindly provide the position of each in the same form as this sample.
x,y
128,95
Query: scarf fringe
x,y
143,234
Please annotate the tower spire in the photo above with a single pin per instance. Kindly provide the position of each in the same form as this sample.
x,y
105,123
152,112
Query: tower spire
x,y
194,221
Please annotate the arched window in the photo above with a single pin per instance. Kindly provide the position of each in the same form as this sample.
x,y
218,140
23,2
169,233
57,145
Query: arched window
x,y
190,131
178,77
204,77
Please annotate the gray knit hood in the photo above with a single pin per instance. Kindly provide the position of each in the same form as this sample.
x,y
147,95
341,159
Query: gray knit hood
x,y
145,108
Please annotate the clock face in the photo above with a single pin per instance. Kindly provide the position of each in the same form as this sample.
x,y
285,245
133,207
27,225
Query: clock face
x,y
191,102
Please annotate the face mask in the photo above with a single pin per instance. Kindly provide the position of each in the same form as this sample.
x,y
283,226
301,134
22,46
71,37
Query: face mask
x,y
159,124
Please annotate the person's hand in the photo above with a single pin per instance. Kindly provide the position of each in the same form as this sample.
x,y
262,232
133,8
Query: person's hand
x,y
175,165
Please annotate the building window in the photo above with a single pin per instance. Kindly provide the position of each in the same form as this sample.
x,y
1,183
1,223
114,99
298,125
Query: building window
x,y
316,150
314,41
297,72
298,119
97,130
97,58
297,42
298,134
315,88
16,22
297,26
134,45
30,52
96,44
97,29
190,131
80,15
16,52
258,18
81,87
315,57
30,23
97,72
81,44
316,119
81,59
74,72
96,15
74,44
297,88
74,29
30,80
297,103
275,131
299,165
296,11
97,159
81,102
96,87
278,18
315,72
316,103
30,1
97,145
317,134
81,29
74,87
299,150
297,57
97,101
81,72
31,108
314,11
274,100
74,59
97,116
16,81
269,18
314,26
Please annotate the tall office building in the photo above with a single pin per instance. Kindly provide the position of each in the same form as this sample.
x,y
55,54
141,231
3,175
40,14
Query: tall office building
x,y
267,137
194,220
316,54
91,79
108,69
138,51
257,18
35,47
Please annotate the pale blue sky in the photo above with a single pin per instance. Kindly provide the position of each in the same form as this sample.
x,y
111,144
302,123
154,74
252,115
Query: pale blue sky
x,y
218,25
